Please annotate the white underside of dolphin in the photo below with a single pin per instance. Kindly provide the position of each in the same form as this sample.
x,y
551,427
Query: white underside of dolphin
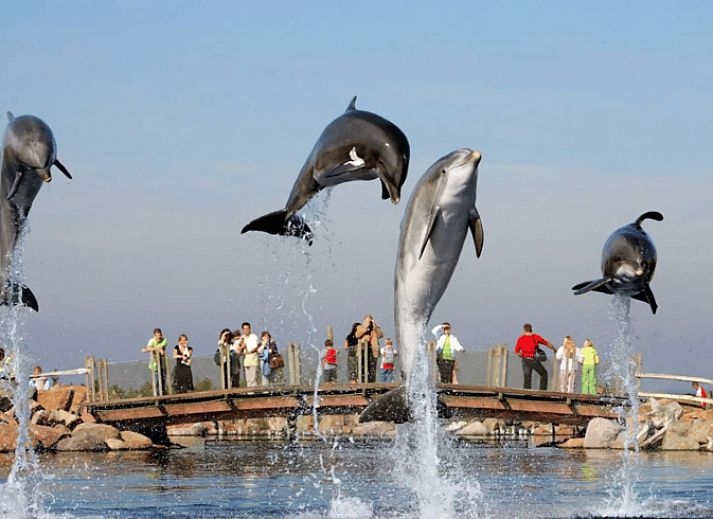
x,y
439,215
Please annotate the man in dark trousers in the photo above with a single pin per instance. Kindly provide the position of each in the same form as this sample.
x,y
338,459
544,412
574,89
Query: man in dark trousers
x,y
526,349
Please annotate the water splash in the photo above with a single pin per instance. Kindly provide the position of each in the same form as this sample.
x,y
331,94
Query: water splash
x,y
422,460
22,496
624,500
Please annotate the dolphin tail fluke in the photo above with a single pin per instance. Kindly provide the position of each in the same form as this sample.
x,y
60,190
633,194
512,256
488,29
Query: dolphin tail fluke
x,y
278,223
647,296
651,215
598,285
13,296
390,407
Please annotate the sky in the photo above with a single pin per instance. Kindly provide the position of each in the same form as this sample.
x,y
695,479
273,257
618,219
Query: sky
x,y
181,124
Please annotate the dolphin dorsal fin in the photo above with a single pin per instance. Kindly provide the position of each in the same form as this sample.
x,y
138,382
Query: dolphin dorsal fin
x,y
651,215
352,105
10,117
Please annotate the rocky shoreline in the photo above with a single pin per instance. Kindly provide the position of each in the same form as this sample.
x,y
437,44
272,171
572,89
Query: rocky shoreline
x,y
57,424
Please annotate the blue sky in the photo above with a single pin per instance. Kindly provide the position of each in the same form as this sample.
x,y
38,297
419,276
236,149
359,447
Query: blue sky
x,y
180,124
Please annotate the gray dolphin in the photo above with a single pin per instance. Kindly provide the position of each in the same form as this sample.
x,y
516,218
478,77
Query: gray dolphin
x,y
28,152
439,215
628,263
357,145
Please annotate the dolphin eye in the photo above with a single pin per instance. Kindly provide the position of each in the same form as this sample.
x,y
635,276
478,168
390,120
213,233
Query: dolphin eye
x,y
443,171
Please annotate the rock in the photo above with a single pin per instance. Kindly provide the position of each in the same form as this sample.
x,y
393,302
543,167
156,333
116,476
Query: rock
x,y
474,428
57,397
115,445
58,416
35,407
701,430
8,437
566,430
664,412
331,424
87,418
41,417
543,429
454,426
44,437
135,441
8,416
375,429
89,437
78,398
572,443
5,404
676,442
601,433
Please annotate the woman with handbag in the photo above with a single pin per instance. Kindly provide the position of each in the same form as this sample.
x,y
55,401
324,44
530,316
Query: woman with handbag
x,y
528,349
271,360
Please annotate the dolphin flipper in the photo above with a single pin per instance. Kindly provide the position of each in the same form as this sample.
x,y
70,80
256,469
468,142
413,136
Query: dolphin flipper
x,y
390,407
13,296
476,229
598,285
61,167
647,296
384,191
15,185
435,211
278,223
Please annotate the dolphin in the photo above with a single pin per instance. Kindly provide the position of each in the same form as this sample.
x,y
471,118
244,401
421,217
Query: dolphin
x,y
28,152
628,263
439,215
357,145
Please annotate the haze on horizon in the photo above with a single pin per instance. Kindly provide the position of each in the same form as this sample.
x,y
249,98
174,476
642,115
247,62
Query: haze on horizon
x,y
181,125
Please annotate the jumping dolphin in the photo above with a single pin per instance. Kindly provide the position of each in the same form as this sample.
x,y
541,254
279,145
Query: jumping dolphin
x,y
628,263
440,212
28,152
357,145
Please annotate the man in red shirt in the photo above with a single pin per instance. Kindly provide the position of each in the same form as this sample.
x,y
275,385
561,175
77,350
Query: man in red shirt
x,y
526,349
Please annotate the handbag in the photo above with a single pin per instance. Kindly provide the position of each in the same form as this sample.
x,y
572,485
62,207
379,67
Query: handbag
x,y
276,361
540,355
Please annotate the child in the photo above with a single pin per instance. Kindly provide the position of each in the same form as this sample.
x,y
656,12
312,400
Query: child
x,y
700,393
329,362
589,359
388,352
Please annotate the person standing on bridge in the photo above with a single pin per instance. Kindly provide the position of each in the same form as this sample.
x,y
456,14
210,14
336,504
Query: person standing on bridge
x,y
568,355
370,332
527,348
156,346
590,359
447,346
250,345
182,373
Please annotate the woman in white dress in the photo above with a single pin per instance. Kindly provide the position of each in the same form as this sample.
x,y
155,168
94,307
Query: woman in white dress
x,y
567,355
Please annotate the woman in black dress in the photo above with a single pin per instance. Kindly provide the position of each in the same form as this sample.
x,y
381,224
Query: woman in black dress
x,y
182,374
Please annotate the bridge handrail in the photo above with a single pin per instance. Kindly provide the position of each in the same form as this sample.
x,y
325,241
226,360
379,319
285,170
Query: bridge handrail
x,y
681,378
679,398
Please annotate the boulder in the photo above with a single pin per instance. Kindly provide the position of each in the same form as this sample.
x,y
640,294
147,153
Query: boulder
x,y
375,429
543,429
78,398
41,417
89,437
115,445
5,404
474,428
331,424
701,430
8,437
601,433
572,443
58,416
57,397
135,441
679,437
454,426
44,437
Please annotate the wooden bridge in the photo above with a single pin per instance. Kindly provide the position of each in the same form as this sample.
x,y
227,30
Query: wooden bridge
x,y
293,401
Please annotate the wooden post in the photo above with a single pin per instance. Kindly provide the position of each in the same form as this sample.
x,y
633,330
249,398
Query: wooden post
x,y
159,375
638,367
89,378
504,375
168,385
489,370
294,366
100,373
330,333
105,372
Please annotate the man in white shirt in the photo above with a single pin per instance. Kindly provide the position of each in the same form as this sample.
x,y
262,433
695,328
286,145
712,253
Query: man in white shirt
x,y
446,348
250,344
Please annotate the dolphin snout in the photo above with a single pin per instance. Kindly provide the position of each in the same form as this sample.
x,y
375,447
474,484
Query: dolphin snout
x,y
45,175
474,156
